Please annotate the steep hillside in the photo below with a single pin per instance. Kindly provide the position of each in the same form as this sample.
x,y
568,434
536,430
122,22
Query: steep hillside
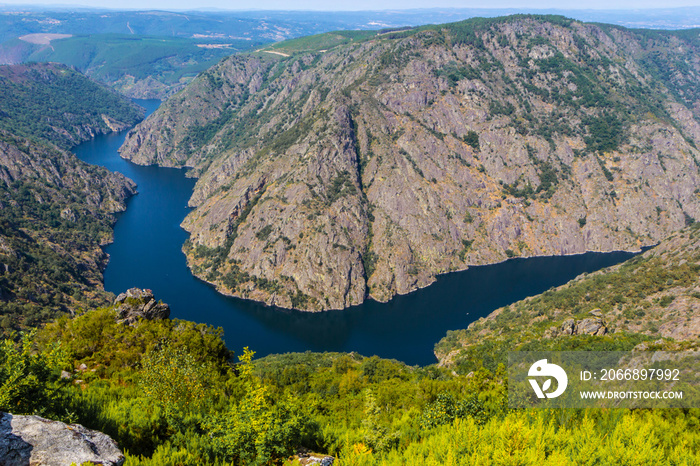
x,y
654,295
59,105
55,211
344,166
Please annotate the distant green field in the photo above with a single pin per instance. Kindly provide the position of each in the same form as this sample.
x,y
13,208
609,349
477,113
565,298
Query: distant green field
x,y
117,58
108,57
318,42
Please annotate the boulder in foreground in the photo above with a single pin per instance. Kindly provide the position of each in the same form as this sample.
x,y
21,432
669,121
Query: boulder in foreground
x,y
32,440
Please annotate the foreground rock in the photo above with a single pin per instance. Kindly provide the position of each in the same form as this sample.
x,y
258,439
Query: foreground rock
x,y
35,441
138,304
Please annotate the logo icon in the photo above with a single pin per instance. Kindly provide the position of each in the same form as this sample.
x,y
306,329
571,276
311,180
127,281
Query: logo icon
x,y
543,369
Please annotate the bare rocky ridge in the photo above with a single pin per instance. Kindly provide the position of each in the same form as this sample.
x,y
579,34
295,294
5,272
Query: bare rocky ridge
x,y
366,170
32,440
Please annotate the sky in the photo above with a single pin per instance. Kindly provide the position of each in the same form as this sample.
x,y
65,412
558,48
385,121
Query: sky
x,y
326,5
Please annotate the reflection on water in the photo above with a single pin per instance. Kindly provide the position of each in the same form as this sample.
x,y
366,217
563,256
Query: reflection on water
x,y
147,253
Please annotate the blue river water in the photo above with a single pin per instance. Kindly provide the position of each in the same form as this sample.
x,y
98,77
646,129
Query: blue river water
x,y
146,253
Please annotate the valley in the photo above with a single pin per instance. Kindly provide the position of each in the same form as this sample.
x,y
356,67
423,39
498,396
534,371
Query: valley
x,y
364,170
445,194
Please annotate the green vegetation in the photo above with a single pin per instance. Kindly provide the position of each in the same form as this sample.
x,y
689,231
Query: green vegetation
x,y
56,211
50,235
171,394
56,104
455,73
472,139
341,186
605,133
159,63
264,233
320,42
548,180
369,263
199,135
466,246
28,381
110,57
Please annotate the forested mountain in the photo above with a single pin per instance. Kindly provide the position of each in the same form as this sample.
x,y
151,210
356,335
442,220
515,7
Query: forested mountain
x,y
57,104
55,211
136,66
359,164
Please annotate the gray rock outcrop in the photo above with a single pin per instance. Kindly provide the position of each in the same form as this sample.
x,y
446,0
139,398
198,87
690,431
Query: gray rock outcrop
x,y
35,441
591,326
588,326
137,304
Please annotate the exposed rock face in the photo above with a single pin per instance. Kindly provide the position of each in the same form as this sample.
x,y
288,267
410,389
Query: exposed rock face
x,y
588,326
147,88
137,304
32,440
366,170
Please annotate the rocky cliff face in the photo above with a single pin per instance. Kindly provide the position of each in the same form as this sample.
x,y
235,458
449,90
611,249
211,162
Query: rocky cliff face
x,y
136,304
55,214
367,169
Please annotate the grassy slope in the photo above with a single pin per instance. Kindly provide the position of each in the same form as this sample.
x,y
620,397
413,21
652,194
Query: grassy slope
x,y
167,392
653,295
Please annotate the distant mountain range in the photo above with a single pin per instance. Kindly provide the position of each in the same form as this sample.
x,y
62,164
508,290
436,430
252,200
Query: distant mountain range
x,y
153,54
279,25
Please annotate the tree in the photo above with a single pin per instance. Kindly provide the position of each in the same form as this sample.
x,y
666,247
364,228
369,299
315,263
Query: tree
x,y
257,429
29,380
173,379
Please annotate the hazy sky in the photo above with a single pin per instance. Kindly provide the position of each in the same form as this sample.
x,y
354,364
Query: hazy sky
x,y
364,4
